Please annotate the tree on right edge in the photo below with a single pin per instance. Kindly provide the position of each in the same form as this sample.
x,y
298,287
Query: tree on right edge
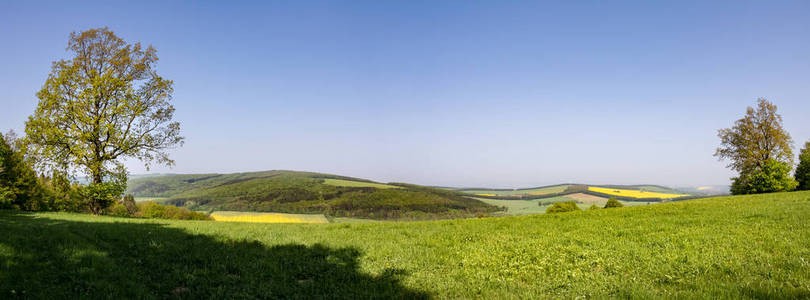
x,y
760,150
803,170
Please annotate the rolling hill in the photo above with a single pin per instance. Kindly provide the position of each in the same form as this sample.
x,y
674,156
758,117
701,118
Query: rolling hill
x,y
307,192
645,193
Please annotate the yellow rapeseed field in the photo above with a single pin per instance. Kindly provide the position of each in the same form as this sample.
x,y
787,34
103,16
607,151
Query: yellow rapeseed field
x,y
486,195
258,217
634,193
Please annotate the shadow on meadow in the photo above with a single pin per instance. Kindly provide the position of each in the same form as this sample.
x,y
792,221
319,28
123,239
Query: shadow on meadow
x,y
49,258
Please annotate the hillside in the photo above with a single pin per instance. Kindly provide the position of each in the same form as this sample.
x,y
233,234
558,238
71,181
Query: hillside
x,y
643,193
724,247
306,192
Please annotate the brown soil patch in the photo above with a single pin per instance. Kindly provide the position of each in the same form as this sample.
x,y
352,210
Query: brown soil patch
x,y
587,199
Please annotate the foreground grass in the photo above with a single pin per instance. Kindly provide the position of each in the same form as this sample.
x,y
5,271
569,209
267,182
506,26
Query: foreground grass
x,y
727,247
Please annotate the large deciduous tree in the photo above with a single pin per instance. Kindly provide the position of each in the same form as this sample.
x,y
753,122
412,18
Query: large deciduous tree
x,y
759,149
803,170
104,104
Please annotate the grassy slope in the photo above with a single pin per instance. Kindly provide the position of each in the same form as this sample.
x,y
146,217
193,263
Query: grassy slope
x,y
728,247
531,191
304,192
565,189
539,206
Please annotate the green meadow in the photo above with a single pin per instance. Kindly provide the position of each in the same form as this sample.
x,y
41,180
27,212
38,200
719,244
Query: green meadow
x,y
517,192
726,247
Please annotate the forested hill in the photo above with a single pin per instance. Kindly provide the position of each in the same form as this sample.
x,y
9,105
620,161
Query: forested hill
x,y
307,192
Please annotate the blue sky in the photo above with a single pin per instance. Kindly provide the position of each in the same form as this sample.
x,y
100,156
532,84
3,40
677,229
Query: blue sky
x,y
461,93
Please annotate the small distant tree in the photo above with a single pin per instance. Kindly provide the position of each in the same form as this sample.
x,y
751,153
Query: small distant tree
x,y
593,207
103,105
612,202
129,203
559,207
758,147
803,170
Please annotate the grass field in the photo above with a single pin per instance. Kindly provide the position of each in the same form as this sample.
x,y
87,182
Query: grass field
x,y
153,199
517,192
539,206
258,217
725,247
634,193
351,183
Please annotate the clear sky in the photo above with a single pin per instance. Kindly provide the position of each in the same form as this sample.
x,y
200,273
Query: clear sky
x,y
461,93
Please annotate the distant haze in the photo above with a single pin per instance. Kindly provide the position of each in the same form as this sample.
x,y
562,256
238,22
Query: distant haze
x,y
445,93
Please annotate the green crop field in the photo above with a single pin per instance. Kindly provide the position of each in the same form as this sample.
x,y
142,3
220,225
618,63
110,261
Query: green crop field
x,y
539,206
726,247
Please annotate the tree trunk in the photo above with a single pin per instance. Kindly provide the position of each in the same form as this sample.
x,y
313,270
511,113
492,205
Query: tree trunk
x,y
95,206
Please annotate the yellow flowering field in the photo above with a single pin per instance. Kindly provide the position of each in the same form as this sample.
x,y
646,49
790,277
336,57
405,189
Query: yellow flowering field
x,y
634,193
260,217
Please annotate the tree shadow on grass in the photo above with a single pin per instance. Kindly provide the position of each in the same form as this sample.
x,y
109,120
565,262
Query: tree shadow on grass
x,y
50,258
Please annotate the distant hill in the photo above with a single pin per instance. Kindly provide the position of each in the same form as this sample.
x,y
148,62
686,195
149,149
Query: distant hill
x,y
307,192
624,192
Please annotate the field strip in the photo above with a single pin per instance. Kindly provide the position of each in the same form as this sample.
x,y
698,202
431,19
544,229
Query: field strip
x,y
261,217
633,193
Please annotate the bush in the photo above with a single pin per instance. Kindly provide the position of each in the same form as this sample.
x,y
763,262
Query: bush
x,y
129,204
151,209
562,207
593,207
99,196
63,195
773,176
117,210
612,202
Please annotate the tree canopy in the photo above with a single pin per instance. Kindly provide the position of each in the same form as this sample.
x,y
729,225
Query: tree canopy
x,y
760,149
104,104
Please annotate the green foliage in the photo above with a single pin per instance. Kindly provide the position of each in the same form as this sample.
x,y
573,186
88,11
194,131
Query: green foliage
x,y
128,208
612,202
738,247
99,196
151,209
19,186
760,150
756,138
593,207
559,207
803,170
64,195
117,210
103,105
129,204
772,176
